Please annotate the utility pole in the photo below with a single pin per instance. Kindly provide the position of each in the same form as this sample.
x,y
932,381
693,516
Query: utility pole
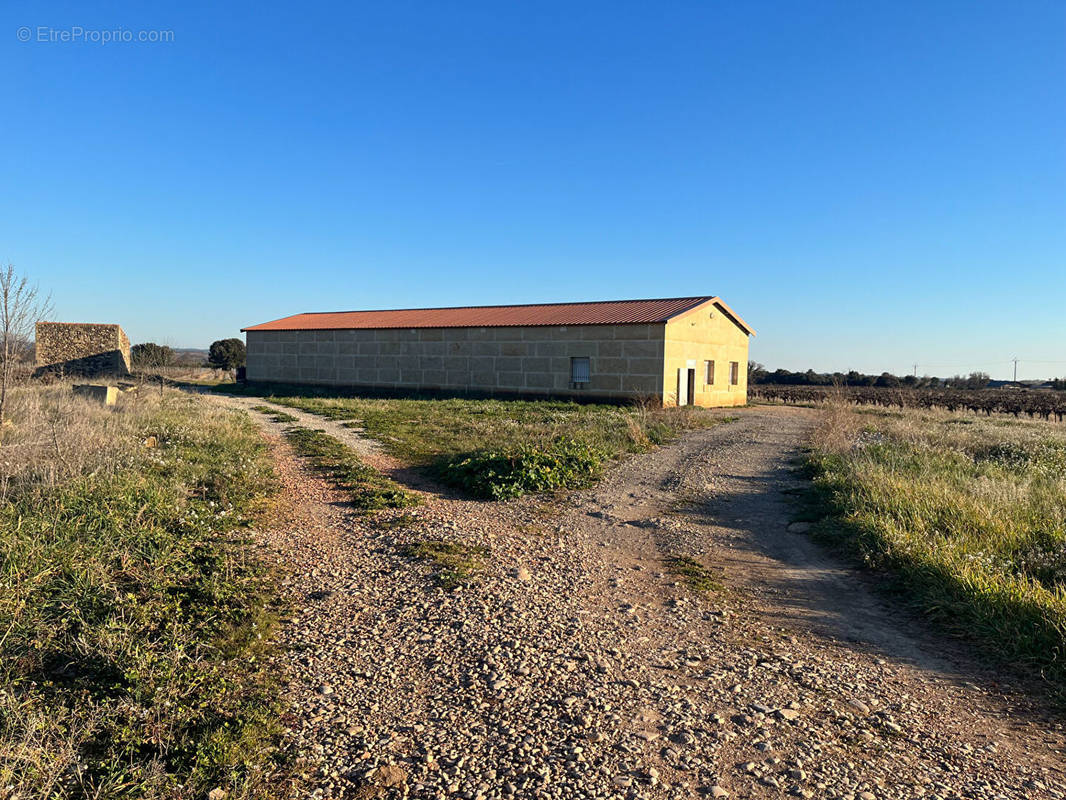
x,y
915,370
1015,360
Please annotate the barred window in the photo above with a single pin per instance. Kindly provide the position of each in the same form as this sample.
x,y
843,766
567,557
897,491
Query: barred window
x,y
734,372
580,370
709,379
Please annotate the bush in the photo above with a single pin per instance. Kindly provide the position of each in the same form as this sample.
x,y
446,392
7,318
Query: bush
x,y
150,354
227,354
493,475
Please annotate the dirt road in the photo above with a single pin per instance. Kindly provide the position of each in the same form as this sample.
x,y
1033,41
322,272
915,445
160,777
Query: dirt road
x,y
581,666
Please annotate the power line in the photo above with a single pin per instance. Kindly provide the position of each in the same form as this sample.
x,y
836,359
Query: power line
x,y
973,364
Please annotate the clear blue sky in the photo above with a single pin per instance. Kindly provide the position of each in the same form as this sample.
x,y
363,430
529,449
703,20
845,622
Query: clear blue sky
x,y
869,184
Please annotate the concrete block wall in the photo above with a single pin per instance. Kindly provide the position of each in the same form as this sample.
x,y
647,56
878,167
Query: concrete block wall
x,y
625,360
82,348
704,334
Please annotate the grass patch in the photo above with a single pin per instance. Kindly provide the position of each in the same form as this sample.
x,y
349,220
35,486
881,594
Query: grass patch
x,y
368,489
394,523
694,575
502,448
276,415
135,618
969,521
455,564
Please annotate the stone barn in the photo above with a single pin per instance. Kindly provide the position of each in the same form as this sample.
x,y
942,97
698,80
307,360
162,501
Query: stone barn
x,y
680,351
77,348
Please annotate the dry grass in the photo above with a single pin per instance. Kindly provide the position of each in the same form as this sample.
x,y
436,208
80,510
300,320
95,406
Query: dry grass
x,y
134,615
967,514
54,436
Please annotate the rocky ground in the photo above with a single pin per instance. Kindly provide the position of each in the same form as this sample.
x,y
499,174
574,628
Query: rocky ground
x,y
580,665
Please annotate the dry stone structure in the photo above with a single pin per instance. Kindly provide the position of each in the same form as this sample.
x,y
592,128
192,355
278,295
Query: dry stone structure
x,y
75,348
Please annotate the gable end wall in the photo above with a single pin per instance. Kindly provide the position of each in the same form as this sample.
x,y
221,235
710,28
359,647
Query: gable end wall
x,y
706,334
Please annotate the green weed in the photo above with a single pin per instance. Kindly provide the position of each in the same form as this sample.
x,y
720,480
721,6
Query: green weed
x,y
369,490
275,414
456,564
696,576
502,475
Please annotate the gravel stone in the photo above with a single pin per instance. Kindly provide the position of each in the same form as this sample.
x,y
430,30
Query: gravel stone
x,y
607,676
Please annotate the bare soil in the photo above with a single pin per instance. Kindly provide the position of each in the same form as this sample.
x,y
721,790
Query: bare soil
x,y
580,665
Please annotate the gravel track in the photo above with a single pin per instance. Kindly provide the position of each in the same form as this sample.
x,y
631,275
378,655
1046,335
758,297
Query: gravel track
x,y
578,666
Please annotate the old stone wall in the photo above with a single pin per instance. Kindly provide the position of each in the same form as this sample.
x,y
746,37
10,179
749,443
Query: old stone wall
x,y
75,348
625,360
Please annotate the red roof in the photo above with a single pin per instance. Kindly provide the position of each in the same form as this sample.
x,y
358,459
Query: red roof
x,y
607,312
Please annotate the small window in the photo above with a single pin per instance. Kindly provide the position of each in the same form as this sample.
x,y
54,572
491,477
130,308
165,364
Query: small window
x,y
734,373
580,370
709,377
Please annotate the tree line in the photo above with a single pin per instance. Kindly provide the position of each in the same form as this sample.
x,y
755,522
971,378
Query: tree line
x,y
758,374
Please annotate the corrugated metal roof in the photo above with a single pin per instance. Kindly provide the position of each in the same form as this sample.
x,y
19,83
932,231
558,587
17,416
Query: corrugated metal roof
x,y
607,312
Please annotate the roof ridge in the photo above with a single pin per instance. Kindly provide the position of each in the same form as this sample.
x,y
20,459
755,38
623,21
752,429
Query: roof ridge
x,y
591,312
701,298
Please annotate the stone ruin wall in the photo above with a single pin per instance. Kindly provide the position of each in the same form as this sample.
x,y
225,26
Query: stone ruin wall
x,y
82,349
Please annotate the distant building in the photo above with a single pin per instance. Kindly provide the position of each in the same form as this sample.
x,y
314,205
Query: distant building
x,y
1026,384
86,349
681,351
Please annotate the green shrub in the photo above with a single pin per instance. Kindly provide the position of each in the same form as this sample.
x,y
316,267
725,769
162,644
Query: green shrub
x,y
566,464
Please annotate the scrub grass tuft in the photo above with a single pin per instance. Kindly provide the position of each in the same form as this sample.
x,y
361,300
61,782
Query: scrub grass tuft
x,y
969,521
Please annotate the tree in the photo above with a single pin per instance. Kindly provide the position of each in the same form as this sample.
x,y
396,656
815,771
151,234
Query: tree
x,y
756,372
227,354
21,306
150,354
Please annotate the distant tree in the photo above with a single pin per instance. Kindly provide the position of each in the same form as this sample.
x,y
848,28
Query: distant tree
x,y
910,380
21,306
756,372
887,379
1058,383
227,354
975,380
150,354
